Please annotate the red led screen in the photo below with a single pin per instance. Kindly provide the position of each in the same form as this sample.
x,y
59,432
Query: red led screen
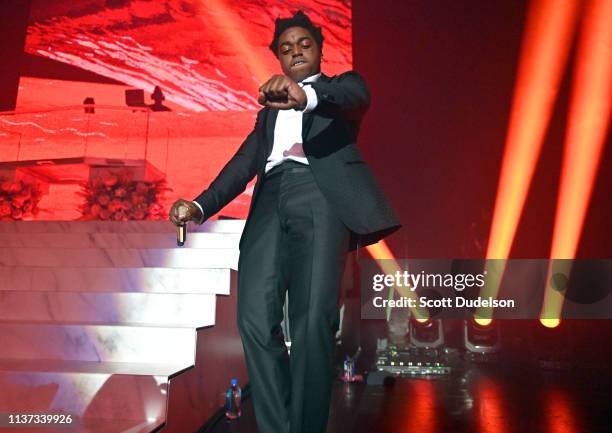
x,y
208,57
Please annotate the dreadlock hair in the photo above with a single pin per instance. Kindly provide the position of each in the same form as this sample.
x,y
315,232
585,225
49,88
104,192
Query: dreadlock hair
x,y
300,19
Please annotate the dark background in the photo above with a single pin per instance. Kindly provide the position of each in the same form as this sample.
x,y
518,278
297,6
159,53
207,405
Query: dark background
x,y
442,76
13,24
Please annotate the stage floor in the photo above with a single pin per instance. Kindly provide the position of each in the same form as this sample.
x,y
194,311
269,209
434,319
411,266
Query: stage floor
x,y
475,398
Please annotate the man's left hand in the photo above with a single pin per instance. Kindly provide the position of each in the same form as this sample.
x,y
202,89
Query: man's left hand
x,y
283,93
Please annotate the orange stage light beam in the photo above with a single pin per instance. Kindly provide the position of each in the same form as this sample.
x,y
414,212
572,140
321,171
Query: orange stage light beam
x,y
544,53
232,27
381,252
546,45
588,121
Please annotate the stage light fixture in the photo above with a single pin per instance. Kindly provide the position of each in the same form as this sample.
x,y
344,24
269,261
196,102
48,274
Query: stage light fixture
x,y
426,335
482,341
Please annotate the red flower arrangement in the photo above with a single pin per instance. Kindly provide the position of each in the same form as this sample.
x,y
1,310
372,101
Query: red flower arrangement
x,y
18,199
116,197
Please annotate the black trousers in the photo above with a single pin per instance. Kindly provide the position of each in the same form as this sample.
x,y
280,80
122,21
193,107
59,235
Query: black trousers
x,y
292,244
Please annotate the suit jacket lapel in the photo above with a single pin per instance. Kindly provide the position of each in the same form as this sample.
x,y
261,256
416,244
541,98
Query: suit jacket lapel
x,y
271,116
307,122
309,118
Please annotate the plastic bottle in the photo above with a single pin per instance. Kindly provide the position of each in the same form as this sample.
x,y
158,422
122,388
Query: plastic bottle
x,y
349,369
233,400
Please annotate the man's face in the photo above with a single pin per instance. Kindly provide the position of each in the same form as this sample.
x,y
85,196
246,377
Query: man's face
x,y
298,53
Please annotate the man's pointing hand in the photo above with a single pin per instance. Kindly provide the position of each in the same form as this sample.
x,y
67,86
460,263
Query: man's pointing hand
x,y
283,93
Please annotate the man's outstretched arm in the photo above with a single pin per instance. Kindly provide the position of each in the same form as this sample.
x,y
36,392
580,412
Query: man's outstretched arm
x,y
231,181
347,96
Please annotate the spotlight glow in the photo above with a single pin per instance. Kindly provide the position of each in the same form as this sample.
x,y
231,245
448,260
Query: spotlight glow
x,y
386,260
231,24
544,53
589,118
550,323
483,322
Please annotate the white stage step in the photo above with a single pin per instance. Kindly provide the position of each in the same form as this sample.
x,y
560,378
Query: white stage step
x,y
108,279
115,343
108,308
100,390
111,322
217,226
120,257
91,367
117,240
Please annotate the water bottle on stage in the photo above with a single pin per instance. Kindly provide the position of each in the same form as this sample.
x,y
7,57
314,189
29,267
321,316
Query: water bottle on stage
x,y
233,399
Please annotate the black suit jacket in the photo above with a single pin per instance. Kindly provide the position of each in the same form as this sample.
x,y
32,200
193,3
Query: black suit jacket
x,y
329,135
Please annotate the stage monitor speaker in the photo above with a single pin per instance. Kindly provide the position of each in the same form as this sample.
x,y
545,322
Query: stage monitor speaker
x,y
135,98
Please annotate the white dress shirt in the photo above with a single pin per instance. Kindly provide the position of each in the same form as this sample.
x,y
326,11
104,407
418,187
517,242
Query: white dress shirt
x,y
288,129
287,133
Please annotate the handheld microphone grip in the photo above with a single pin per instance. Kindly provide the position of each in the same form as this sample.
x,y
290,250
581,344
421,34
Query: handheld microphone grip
x,y
181,234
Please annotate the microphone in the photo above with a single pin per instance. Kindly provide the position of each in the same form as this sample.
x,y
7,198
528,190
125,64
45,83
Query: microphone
x,y
181,234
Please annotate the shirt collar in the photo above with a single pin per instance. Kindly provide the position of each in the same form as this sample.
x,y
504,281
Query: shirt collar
x,y
310,79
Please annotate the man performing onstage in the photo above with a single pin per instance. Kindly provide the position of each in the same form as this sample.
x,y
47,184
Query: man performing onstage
x,y
314,200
